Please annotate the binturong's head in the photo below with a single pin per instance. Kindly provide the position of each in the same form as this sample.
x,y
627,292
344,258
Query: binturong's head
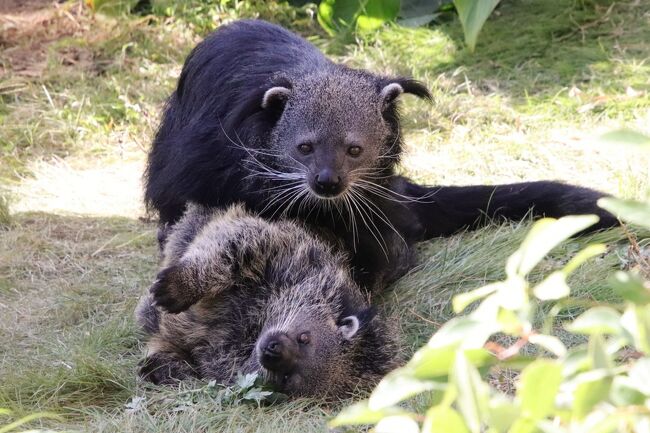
x,y
337,127
318,350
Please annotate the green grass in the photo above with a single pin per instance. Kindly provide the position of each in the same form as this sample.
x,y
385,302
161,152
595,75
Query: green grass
x,y
80,101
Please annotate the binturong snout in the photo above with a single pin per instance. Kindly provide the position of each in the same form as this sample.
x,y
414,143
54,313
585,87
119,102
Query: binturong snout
x,y
277,352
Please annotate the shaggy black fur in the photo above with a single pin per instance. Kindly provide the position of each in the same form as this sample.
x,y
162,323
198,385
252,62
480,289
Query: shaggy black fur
x,y
215,136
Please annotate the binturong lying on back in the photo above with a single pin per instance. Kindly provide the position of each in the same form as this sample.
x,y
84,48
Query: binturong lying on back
x,y
237,293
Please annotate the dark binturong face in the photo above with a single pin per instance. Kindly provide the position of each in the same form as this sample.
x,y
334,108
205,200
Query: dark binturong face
x,y
336,131
306,356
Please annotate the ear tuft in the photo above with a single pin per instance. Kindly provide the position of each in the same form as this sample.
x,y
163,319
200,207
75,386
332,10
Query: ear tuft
x,y
390,92
274,96
407,85
349,327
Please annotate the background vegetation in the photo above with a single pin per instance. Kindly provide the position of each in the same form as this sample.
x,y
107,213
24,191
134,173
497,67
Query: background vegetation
x,y
80,96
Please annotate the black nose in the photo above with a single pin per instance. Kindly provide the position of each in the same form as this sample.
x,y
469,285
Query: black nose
x,y
273,348
276,352
327,182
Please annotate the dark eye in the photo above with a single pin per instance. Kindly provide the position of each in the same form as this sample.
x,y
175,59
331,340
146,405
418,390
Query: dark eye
x,y
304,338
305,148
354,151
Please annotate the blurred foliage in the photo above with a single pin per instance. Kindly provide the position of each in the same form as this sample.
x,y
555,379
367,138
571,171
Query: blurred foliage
x,y
337,17
600,386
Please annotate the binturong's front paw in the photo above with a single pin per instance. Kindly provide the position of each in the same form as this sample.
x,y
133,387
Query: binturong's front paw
x,y
171,291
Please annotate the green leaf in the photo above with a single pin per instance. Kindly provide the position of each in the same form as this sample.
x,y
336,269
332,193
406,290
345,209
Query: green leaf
x,y
640,376
630,211
472,393
625,393
465,332
538,387
587,253
472,15
636,321
337,16
552,287
341,16
592,389
597,320
550,343
524,425
502,413
597,350
463,300
545,235
416,13
435,363
398,386
443,419
376,13
630,287
397,423
360,414
626,137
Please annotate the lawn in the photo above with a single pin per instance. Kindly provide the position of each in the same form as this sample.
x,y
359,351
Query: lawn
x,y
80,97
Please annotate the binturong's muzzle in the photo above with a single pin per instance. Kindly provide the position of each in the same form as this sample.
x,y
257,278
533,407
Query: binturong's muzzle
x,y
277,352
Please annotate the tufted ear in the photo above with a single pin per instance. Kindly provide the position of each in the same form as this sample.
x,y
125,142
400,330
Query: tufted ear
x,y
391,90
275,97
349,326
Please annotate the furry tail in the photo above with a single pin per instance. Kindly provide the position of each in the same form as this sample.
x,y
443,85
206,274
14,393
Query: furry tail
x,y
447,209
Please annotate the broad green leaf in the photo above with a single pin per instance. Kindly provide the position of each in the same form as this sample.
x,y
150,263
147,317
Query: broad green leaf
x,y
360,414
524,425
538,387
463,300
502,413
376,13
416,13
625,393
589,392
550,343
640,376
397,423
464,332
576,361
434,363
587,253
510,322
602,422
597,320
630,287
636,321
398,386
472,15
630,211
443,419
545,235
626,137
472,398
340,16
600,359
552,287
513,293
337,16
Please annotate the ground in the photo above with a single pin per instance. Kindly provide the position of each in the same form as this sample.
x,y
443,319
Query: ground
x,y
80,97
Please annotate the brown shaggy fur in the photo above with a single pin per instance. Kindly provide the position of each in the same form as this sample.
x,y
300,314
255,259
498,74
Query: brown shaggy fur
x,y
237,293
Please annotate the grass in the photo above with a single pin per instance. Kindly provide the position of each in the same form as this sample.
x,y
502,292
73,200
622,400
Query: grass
x,y
80,96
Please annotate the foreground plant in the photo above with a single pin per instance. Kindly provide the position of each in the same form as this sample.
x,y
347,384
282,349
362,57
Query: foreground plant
x,y
601,386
